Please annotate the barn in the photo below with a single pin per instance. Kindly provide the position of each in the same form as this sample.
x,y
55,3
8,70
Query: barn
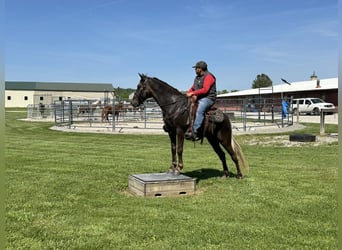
x,y
22,94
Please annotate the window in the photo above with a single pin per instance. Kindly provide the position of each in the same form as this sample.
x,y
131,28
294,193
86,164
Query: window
x,y
8,98
60,98
25,98
41,98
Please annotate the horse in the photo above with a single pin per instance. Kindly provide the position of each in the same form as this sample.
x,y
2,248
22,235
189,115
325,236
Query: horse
x,y
176,116
108,109
41,109
84,109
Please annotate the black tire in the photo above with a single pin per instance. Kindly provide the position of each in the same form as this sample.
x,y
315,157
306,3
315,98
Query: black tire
x,y
315,111
294,112
303,138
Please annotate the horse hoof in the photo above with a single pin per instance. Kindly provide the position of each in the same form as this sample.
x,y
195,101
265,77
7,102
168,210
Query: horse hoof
x,y
240,177
225,174
176,173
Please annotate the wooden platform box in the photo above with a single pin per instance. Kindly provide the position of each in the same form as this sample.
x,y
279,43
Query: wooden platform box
x,y
161,184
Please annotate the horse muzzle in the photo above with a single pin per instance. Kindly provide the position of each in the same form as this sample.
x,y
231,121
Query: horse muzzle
x,y
135,103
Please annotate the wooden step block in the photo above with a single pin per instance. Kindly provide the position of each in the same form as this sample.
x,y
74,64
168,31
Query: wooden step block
x,y
161,184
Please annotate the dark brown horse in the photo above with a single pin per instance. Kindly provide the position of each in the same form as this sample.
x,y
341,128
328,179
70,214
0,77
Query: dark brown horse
x,y
108,110
176,110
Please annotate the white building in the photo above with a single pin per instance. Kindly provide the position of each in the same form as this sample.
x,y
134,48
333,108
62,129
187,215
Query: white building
x,y
22,94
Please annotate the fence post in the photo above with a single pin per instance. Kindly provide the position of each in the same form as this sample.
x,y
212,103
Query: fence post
x,y
244,117
322,123
90,112
70,114
113,115
145,116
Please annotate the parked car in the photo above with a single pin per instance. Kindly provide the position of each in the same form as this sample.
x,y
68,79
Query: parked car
x,y
311,106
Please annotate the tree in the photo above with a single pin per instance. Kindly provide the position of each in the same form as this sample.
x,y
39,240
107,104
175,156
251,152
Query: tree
x,y
122,93
220,92
262,81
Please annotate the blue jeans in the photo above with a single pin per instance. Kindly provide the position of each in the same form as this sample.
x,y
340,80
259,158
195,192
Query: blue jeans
x,y
203,105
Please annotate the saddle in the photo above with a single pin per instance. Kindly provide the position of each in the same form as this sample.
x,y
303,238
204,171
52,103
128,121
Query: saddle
x,y
213,115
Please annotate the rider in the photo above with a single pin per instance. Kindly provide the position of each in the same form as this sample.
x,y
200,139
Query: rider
x,y
204,91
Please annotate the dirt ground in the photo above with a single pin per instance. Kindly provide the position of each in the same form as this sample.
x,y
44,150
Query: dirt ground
x,y
284,141
329,119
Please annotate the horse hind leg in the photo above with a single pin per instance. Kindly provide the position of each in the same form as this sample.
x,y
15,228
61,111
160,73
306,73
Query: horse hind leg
x,y
232,147
218,150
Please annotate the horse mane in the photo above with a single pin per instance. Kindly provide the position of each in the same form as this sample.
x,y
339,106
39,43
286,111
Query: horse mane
x,y
162,82
173,88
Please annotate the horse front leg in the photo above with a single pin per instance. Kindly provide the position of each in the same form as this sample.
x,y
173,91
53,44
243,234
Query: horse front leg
x,y
180,144
173,166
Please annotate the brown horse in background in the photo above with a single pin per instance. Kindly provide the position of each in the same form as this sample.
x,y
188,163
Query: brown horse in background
x,y
108,109
176,113
88,109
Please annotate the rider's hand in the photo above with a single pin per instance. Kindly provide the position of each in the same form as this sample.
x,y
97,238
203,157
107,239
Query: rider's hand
x,y
194,98
189,94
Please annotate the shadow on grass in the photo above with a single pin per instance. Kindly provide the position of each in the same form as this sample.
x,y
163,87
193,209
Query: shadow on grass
x,y
206,173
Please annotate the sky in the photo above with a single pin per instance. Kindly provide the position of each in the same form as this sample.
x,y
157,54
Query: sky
x,y
111,41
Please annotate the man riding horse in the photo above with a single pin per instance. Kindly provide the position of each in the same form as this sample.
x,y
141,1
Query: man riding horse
x,y
176,112
203,91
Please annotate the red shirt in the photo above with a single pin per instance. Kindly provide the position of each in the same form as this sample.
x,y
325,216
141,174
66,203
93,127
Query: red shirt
x,y
209,80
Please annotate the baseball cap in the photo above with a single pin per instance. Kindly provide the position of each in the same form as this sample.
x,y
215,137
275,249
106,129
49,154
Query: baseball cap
x,y
200,64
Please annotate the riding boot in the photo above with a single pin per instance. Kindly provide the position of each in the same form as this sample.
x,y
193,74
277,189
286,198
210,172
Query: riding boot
x,y
195,137
188,135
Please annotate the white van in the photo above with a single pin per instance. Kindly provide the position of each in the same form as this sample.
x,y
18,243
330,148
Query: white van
x,y
310,105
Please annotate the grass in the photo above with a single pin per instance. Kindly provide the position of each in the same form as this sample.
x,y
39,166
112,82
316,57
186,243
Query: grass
x,y
69,191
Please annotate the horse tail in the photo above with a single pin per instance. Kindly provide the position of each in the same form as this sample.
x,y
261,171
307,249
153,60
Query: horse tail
x,y
241,157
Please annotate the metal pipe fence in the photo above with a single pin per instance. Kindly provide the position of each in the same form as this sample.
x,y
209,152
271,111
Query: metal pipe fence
x,y
247,113
244,114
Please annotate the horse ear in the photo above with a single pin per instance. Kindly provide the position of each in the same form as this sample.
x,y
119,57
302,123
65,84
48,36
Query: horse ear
x,y
141,75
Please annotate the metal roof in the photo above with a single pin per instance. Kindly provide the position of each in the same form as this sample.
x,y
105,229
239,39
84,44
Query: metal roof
x,y
311,85
58,86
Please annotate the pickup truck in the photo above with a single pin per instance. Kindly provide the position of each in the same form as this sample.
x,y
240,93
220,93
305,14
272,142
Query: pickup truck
x,y
311,106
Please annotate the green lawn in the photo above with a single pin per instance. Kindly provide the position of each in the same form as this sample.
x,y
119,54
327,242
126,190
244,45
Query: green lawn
x,y
69,191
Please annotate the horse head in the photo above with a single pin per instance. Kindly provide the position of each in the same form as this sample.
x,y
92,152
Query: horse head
x,y
96,103
142,92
